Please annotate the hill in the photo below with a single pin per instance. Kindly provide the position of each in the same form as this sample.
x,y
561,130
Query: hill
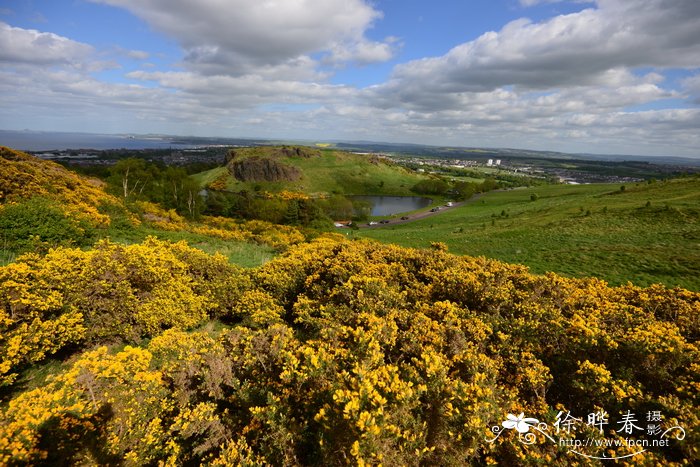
x,y
23,176
648,233
337,352
309,170
44,205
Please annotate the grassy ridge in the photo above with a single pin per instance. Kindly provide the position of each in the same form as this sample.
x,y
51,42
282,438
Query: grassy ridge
x,y
645,234
333,172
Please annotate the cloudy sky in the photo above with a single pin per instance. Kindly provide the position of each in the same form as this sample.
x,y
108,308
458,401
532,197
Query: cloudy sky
x,y
600,76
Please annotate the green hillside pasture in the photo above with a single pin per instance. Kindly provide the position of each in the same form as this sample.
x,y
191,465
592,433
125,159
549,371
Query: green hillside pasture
x,y
648,233
334,172
205,178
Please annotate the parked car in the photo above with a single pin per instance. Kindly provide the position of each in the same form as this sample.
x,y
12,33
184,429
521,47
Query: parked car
x,y
384,221
405,218
373,223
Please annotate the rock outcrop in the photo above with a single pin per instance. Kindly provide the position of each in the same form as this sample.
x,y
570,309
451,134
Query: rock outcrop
x,y
262,169
272,152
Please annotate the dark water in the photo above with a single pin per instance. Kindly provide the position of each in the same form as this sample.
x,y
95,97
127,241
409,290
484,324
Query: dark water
x,y
45,141
388,205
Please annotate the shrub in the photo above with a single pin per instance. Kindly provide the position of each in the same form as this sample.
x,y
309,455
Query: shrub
x,y
41,223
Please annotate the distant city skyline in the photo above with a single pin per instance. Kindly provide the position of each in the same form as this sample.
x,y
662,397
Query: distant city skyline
x,y
603,76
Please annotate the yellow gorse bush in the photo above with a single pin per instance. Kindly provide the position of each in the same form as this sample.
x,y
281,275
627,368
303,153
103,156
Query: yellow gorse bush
x,y
70,296
23,176
336,352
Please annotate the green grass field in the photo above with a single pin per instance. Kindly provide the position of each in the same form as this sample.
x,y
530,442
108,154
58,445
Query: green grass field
x,y
333,172
649,233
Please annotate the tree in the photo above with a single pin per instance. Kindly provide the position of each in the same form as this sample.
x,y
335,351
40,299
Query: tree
x,y
464,190
291,217
433,186
180,192
339,207
488,185
132,177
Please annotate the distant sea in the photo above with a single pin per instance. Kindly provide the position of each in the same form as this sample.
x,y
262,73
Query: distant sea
x,y
46,141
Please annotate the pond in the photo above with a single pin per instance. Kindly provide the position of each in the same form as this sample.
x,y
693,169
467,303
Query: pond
x,y
388,205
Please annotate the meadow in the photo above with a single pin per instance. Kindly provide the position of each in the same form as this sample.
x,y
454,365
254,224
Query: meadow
x,y
645,233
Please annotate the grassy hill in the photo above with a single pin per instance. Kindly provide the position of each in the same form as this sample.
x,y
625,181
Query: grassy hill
x,y
322,171
43,205
340,352
646,234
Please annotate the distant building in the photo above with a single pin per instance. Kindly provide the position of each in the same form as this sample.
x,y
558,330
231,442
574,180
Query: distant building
x,y
490,162
498,161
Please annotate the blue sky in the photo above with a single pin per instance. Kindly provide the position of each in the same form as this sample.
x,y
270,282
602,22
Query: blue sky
x,y
603,76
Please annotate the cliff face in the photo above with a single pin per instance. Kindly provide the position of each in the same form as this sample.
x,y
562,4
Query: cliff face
x,y
273,153
260,169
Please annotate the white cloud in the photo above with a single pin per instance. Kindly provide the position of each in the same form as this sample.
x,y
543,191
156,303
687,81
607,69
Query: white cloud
x,y
529,3
138,54
363,52
244,91
568,50
28,46
692,87
566,83
237,36
252,69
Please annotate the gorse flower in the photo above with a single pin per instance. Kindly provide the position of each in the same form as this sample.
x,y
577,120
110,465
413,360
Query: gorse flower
x,y
333,352
520,423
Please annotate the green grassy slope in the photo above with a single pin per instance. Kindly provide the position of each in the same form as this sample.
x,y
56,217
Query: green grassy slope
x,y
583,230
333,172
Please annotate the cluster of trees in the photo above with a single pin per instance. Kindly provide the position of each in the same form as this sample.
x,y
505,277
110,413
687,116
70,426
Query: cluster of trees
x,y
316,213
277,210
459,190
172,187
337,352
135,179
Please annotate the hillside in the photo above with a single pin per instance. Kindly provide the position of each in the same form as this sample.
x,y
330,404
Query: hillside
x,y
141,351
44,205
337,352
646,234
23,176
311,171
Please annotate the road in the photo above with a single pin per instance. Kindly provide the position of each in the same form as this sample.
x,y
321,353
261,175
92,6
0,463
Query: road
x,y
423,215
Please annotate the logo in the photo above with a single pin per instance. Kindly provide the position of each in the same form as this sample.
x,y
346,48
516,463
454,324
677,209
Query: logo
x,y
633,433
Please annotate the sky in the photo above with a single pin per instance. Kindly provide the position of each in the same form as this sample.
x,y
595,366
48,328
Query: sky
x,y
599,76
